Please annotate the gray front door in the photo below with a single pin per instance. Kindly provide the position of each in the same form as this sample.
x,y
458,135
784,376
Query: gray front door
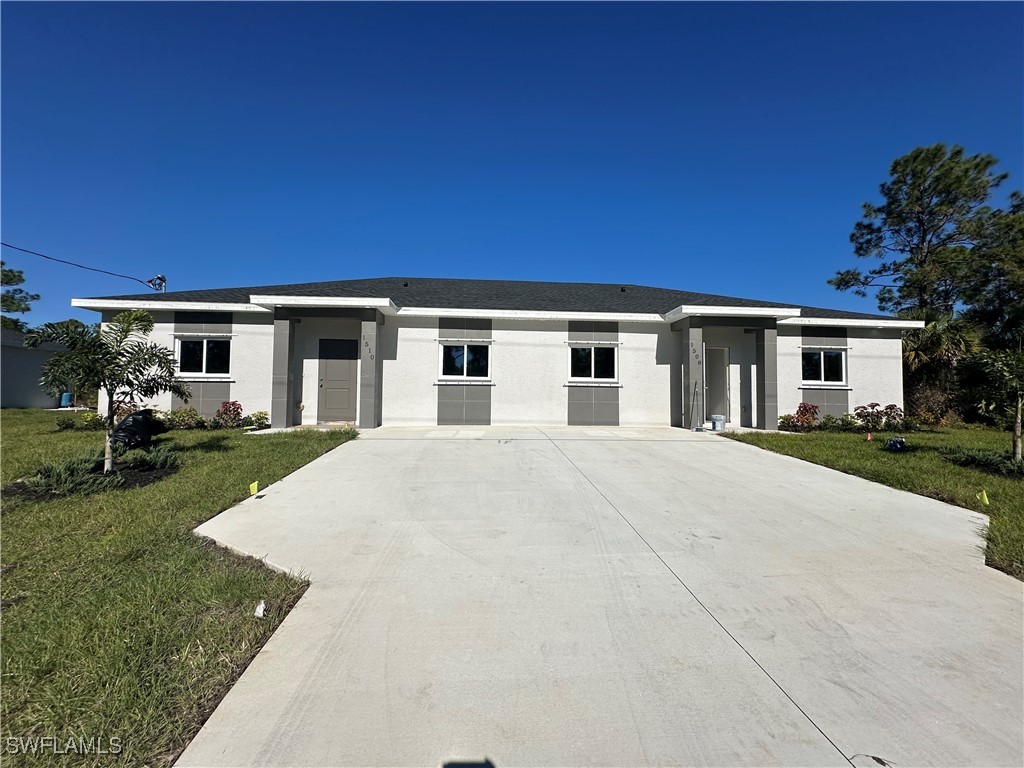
x,y
339,359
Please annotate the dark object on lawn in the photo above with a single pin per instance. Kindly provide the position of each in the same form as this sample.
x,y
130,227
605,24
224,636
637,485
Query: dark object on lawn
x,y
896,444
138,429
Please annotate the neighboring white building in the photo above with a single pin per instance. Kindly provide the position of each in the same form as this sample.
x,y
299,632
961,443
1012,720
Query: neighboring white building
x,y
20,369
437,351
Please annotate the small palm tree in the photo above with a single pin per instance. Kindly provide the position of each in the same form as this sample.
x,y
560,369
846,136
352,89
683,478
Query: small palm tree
x,y
930,358
944,340
117,359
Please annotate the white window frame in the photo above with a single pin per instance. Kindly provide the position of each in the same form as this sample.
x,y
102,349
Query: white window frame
x,y
614,346
820,382
464,376
178,339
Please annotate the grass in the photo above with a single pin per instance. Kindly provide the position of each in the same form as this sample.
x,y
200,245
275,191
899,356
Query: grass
x,y
117,620
923,470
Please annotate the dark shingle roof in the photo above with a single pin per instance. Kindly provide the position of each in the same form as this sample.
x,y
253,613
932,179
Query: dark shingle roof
x,y
495,294
10,337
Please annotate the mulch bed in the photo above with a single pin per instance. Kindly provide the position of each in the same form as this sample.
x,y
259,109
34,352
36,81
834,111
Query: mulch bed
x,y
132,477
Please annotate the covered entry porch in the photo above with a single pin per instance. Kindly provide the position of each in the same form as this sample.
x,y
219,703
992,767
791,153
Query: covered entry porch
x,y
729,368
326,366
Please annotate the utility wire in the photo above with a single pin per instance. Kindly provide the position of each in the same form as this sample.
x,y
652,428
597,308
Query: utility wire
x,y
80,266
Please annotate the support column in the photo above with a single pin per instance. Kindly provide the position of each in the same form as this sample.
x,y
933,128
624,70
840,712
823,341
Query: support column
x,y
766,348
280,398
693,372
371,399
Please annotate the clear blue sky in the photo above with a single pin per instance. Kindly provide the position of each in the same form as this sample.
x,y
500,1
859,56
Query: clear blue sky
x,y
723,148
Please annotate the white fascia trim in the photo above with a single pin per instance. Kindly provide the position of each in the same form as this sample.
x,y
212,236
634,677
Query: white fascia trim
x,y
853,322
386,306
523,314
189,306
687,310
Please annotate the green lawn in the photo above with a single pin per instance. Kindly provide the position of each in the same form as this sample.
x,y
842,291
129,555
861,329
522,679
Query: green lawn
x,y
118,621
923,470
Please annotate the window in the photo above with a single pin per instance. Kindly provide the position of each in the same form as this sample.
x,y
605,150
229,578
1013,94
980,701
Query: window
x,y
204,356
465,361
591,362
824,365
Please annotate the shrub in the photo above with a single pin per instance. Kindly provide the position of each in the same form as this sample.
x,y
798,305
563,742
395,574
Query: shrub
x,y
933,404
185,418
64,423
906,424
92,420
892,414
844,423
829,423
256,420
350,432
163,456
806,415
870,418
229,415
79,475
874,418
124,407
995,462
801,421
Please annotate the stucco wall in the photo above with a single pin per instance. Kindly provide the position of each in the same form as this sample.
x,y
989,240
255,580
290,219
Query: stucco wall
x,y
250,372
529,366
529,370
874,367
790,340
252,353
646,357
410,350
21,368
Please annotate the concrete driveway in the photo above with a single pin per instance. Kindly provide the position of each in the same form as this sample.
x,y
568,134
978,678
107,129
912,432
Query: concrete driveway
x,y
617,597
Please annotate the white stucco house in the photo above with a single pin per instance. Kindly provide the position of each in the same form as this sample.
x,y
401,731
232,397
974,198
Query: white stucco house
x,y
425,351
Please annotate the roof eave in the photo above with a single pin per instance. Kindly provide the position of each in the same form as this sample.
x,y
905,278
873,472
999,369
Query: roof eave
x,y
690,310
192,306
529,314
384,305
855,322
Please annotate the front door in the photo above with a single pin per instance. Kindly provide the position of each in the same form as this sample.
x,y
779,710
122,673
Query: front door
x,y
339,373
716,380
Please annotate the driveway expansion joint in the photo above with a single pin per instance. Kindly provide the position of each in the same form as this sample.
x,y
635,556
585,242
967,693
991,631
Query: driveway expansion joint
x,y
873,605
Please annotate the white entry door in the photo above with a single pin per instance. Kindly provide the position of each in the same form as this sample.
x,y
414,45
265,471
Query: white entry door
x,y
716,382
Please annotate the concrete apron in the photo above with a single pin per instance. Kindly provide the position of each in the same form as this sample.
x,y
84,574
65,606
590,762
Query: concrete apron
x,y
616,597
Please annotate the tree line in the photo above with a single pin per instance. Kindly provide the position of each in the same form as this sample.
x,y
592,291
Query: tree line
x,y
945,255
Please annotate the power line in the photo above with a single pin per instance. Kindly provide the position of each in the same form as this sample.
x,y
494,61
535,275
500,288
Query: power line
x,y
156,283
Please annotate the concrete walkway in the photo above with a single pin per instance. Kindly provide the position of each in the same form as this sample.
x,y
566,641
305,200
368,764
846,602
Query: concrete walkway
x,y
617,597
